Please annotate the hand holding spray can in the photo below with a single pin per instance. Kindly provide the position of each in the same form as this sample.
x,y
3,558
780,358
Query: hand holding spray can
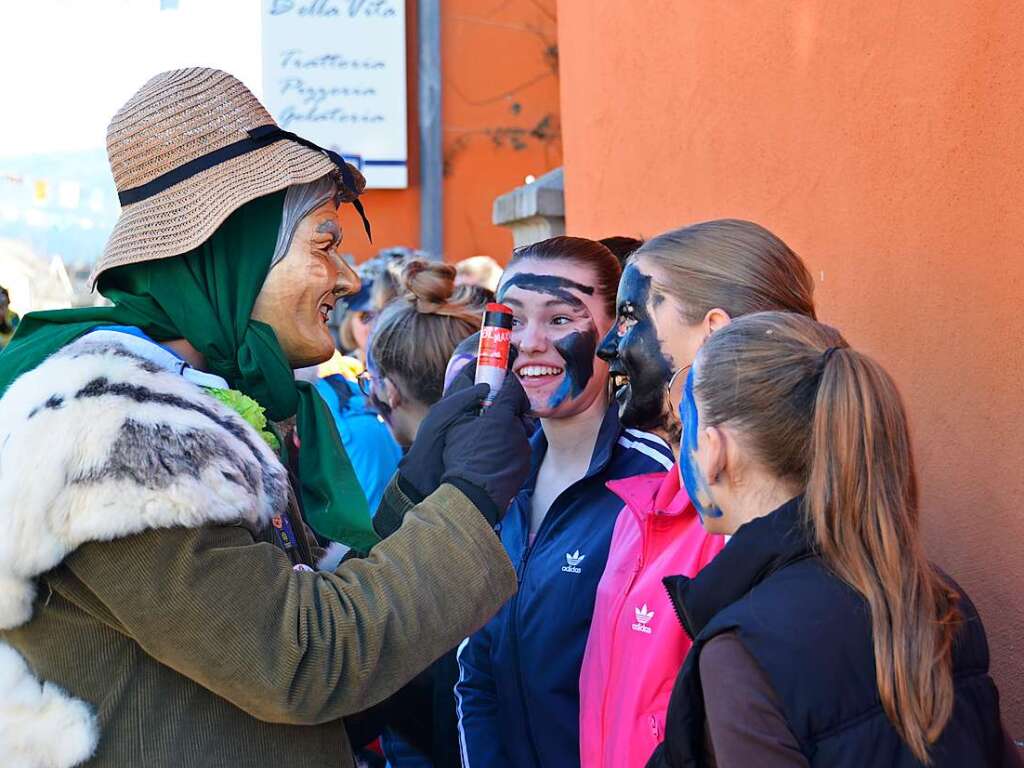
x,y
495,344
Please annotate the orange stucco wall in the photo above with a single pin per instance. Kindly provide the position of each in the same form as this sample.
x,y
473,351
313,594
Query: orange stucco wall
x,y
500,106
884,142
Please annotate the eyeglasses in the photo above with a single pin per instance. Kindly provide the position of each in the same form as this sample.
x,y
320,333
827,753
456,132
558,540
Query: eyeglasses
x,y
675,375
365,382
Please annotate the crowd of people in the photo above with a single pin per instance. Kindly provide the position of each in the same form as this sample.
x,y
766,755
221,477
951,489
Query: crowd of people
x,y
684,533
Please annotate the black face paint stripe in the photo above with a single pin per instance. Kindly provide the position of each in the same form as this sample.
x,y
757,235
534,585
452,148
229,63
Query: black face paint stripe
x,y
577,349
552,285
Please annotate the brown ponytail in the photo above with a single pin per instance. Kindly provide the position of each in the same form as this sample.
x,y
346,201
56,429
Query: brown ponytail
x,y
830,420
862,504
416,334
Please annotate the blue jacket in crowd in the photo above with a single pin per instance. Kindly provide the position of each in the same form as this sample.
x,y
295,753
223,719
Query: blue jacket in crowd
x,y
518,692
368,442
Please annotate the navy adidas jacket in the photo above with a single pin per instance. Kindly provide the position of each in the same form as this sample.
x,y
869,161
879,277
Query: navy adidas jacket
x,y
518,695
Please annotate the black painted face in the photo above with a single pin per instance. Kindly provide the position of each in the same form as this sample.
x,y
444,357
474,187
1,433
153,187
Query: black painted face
x,y
639,365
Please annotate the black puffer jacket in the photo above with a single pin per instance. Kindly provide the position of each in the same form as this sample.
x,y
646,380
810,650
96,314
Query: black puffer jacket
x,y
811,634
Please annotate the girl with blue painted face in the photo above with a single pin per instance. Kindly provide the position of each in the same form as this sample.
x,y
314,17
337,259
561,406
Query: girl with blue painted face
x,y
519,687
678,289
822,636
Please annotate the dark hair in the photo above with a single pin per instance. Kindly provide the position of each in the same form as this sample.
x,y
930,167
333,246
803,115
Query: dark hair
x,y
416,334
622,246
729,264
578,250
830,420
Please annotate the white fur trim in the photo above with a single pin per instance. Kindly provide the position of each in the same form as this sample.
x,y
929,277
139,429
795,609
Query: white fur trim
x,y
40,725
57,488
97,444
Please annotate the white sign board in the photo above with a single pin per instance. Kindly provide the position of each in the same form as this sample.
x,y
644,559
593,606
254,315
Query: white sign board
x,y
334,73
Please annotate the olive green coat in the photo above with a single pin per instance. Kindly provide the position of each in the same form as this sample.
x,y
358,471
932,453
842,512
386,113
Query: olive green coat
x,y
202,647
145,617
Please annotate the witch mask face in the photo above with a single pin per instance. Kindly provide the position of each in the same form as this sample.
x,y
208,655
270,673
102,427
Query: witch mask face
x,y
301,290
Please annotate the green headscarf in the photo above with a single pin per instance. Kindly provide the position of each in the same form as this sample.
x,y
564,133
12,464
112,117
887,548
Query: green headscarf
x,y
206,296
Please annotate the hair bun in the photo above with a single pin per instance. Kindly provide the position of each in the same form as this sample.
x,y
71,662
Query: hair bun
x,y
428,284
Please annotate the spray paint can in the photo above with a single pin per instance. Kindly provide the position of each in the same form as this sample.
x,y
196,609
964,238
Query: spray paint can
x,y
495,343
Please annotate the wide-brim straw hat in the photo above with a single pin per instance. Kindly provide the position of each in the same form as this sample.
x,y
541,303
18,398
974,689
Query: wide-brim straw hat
x,y
191,147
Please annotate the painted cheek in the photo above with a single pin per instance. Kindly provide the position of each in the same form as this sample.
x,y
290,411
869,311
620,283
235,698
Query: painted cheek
x,y
689,468
577,349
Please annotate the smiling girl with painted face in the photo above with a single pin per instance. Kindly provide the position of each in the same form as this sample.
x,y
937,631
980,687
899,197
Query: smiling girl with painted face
x,y
519,686
678,289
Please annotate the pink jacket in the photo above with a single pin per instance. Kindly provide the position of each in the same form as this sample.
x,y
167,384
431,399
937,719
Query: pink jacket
x,y
636,644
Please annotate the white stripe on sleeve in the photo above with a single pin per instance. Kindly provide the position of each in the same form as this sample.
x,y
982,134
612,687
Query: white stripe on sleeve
x,y
647,450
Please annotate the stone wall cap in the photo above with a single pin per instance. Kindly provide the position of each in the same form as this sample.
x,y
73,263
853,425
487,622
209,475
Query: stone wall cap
x,y
544,197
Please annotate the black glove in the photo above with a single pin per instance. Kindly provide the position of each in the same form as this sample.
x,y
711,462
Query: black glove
x,y
420,470
488,458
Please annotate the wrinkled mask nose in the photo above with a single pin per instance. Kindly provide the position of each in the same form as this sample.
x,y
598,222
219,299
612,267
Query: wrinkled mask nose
x,y
347,281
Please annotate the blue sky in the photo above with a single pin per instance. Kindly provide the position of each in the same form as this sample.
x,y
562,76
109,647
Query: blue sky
x,y
67,66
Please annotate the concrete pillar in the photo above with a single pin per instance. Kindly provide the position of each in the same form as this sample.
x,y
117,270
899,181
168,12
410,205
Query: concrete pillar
x,y
533,211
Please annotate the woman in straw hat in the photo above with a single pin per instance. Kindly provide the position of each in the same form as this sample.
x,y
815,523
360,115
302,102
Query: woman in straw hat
x,y
158,603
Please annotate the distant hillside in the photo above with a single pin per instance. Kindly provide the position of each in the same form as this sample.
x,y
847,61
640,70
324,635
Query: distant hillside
x,y
59,204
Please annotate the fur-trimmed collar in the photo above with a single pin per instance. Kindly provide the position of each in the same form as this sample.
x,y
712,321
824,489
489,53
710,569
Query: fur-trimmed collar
x,y
98,443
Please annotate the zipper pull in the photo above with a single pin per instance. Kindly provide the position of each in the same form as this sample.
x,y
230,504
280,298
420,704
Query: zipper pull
x,y
521,568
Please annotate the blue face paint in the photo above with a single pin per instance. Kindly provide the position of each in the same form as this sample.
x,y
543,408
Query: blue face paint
x,y
692,477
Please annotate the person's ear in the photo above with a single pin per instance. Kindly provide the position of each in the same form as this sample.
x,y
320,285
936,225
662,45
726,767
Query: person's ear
x,y
716,453
392,394
714,320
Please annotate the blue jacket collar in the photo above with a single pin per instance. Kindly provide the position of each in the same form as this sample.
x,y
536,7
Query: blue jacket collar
x,y
607,438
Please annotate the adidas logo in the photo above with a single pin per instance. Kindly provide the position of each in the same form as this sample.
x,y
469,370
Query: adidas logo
x,y
573,561
643,618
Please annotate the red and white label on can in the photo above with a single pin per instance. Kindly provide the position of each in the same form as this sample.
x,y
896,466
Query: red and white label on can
x,y
494,347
